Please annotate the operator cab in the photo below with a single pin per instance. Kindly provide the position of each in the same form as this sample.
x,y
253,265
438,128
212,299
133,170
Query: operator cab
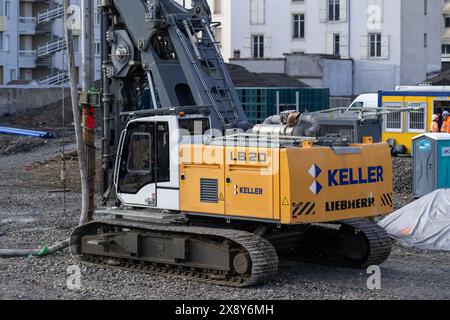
x,y
147,166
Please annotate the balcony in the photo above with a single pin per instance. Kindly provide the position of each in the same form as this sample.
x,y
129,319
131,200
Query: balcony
x,y
27,58
27,25
2,23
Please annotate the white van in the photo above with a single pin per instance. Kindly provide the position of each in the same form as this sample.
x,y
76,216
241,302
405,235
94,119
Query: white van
x,y
368,100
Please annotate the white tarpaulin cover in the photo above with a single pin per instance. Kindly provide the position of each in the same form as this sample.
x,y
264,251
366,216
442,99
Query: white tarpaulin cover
x,y
423,224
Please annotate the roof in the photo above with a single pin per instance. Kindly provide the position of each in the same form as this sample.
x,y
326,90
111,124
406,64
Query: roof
x,y
20,82
442,79
435,136
242,78
392,93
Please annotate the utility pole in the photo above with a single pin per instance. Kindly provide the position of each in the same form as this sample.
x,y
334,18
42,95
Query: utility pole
x,y
77,118
87,43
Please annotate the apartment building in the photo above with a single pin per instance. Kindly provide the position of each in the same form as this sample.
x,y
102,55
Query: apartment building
x,y
446,33
391,42
32,42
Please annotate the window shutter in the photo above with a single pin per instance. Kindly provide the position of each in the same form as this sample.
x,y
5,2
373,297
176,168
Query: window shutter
x,y
267,42
323,10
385,46
343,10
262,11
364,46
257,11
253,11
248,42
344,46
330,43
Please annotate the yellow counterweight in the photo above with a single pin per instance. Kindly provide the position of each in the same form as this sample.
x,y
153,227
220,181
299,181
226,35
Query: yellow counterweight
x,y
291,185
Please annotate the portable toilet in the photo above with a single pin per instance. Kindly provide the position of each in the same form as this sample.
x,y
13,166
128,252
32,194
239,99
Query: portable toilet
x,y
431,153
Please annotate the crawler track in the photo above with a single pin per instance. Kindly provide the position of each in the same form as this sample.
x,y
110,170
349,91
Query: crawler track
x,y
372,245
352,243
264,260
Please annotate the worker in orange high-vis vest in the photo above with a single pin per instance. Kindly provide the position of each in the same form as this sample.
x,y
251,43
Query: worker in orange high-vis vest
x,y
446,124
434,127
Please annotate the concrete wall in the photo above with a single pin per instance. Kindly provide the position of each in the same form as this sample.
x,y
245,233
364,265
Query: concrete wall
x,y
322,71
18,100
338,76
371,77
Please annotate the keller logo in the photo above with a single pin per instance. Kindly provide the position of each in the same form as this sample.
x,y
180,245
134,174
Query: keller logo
x,y
315,172
248,191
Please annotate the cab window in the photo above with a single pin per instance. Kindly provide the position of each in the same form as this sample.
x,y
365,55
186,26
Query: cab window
x,y
138,159
140,153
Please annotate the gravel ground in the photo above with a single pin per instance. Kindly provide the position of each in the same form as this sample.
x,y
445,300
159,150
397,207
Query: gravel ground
x,y
30,217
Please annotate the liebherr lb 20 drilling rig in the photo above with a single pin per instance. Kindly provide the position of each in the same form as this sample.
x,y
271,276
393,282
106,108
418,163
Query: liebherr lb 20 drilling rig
x,y
196,197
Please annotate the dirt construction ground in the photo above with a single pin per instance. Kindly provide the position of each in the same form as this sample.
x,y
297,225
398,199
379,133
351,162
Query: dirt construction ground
x,y
31,215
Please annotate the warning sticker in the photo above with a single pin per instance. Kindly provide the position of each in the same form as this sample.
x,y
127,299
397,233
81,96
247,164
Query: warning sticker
x,y
285,202
221,197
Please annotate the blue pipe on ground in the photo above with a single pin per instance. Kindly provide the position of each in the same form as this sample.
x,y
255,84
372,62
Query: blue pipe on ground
x,y
26,133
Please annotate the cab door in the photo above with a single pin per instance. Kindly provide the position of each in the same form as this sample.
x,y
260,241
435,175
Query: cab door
x,y
136,166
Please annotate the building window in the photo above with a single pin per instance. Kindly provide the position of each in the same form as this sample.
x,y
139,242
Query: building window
x,y
299,26
7,8
447,21
97,17
334,10
76,44
337,44
375,45
258,46
425,7
393,122
98,49
4,42
446,49
425,40
416,118
217,6
13,74
257,11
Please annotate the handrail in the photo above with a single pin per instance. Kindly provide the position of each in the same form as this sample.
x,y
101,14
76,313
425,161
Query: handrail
x,y
50,14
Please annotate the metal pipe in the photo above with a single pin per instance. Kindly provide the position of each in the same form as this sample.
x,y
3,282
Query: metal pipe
x,y
87,84
107,161
26,133
278,102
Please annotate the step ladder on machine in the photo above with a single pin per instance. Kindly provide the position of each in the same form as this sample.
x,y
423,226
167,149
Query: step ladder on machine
x,y
207,52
